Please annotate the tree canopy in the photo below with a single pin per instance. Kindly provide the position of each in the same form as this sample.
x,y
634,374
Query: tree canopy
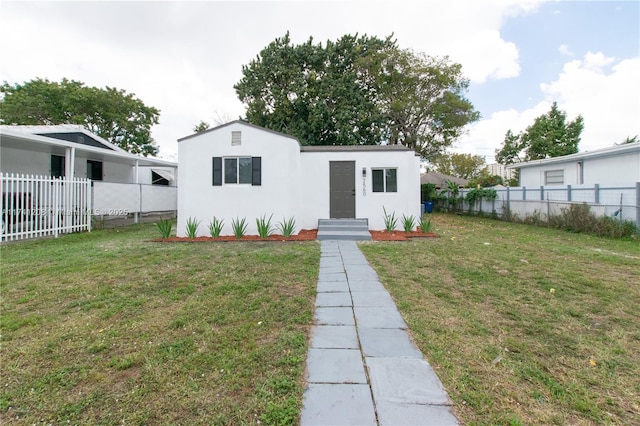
x,y
110,113
356,90
464,166
202,126
549,136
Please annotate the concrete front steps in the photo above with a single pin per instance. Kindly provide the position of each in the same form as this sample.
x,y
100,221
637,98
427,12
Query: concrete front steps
x,y
343,229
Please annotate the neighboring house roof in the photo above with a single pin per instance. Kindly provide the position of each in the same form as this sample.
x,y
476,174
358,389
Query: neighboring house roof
x,y
307,148
346,148
440,179
67,132
36,137
598,153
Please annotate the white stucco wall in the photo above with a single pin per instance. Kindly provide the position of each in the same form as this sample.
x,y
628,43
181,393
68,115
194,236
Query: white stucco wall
x,y
294,183
198,198
25,162
369,204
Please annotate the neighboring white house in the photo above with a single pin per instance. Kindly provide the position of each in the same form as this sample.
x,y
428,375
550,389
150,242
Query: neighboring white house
x,y
122,184
239,170
614,166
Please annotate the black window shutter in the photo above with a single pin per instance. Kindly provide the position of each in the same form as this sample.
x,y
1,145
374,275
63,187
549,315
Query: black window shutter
x,y
217,171
256,171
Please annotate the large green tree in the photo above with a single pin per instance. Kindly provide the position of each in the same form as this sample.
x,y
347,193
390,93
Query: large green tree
x,y
464,166
315,93
110,113
549,136
422,99
356,90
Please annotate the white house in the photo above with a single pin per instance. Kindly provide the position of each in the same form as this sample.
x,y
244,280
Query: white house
x,y
122,184
239,170
613,166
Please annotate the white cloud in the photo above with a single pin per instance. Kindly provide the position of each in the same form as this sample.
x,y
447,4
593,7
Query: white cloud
x,y
607,96
185,57
564,49
596,62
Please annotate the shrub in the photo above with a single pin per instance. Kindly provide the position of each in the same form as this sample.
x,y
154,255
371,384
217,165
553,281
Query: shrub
x,y
192,227
164,226
215,227
264,226
390,221
239,227
428,192
287,226
408,223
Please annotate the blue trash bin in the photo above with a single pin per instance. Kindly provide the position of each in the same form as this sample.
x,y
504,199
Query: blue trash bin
x,y
428,206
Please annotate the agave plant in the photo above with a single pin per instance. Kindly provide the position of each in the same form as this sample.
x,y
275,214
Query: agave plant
x,y
192,227
264,226
287,226
164,226
390,221
425,224
408,223
215,227
239,227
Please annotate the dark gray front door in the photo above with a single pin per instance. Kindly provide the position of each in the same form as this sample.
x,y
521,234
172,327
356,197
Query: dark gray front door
x,y
342,188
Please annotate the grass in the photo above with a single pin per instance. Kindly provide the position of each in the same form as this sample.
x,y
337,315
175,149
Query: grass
x,y
108,327
524,325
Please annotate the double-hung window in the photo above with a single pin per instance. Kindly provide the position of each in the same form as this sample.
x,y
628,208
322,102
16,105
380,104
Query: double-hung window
x,y
237,171
384,180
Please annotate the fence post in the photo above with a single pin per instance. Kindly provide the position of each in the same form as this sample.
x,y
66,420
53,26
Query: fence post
x,y
136,215
569,193
541,192
638,204
508,202
596,189
524,193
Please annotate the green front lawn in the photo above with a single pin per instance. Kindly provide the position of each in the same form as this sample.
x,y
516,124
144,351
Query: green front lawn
x,y
524,325
108,327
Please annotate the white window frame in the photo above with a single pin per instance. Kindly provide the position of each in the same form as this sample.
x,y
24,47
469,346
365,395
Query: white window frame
x,y
385,183
237,161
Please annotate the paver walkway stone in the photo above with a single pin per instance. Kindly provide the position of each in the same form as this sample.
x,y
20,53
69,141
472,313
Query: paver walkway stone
x,y
362,366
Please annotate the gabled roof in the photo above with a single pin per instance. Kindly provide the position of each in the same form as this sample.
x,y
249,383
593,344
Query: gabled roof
x,y
307,148
598,153
244,123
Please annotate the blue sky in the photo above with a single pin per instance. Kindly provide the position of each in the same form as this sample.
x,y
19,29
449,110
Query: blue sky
x,y
185,57
610,27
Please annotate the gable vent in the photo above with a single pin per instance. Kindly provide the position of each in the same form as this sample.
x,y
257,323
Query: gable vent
x,y
236,138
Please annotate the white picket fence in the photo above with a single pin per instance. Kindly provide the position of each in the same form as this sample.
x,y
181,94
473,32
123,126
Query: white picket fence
x,y
37,206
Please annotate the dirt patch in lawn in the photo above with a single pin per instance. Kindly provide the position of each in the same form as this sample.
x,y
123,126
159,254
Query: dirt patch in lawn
x,y
400,235
303,235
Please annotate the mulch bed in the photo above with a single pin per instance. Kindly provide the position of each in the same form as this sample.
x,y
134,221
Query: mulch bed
x,y
303,235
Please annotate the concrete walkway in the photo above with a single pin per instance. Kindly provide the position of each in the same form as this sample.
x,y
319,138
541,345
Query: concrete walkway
x,y
362,367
